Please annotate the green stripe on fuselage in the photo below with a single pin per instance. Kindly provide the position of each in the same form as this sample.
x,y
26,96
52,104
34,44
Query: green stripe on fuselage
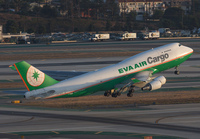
x,y
111,83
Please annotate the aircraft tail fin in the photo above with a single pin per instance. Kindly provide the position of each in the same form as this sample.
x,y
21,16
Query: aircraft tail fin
x,y
32,77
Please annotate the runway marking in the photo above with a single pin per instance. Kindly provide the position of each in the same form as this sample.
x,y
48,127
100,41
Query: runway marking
x,y
88,111
134,134
4,97
99,132
7,52
20,121
155,135
108,120
10,133
163,118
55,132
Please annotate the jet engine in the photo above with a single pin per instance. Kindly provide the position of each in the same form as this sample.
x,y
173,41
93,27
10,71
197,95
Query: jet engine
x,y
155,84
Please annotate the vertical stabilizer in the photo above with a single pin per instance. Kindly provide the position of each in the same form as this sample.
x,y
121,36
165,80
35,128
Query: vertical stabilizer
x,y
32,77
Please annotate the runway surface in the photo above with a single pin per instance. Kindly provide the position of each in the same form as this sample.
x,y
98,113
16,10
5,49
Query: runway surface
x,y
169,120
159,121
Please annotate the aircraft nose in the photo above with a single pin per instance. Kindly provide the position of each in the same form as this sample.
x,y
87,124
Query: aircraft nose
x,y
189,50
186,49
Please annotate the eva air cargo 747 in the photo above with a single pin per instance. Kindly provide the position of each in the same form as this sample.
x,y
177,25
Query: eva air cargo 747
x,y
136,71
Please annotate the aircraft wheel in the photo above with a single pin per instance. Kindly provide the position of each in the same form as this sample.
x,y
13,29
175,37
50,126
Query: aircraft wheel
x,y
107,94
118,93
129,94
131,90
114,95
177,72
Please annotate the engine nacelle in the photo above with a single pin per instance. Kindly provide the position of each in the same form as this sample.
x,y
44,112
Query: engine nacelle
x,y
162,79
155,84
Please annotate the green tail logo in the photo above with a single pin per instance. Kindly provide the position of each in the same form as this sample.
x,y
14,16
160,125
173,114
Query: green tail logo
x,y
32,77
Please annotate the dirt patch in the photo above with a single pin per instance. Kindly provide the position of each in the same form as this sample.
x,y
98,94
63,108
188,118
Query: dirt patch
x,y
90,102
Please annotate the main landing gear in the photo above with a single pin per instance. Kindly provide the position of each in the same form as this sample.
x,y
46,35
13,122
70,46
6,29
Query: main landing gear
x,y
112,92
131,91
115,93
107,93
176,71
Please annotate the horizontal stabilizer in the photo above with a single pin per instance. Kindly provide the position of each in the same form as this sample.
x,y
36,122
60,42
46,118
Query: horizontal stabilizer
x,y
12,67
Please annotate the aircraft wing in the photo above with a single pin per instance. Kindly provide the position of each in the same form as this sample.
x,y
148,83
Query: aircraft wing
x,y
139,80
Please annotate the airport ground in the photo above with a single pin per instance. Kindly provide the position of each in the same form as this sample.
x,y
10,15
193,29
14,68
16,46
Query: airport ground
x,y
98,116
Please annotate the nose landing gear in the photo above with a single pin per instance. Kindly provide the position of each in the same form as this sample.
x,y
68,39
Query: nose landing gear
x,y
177,72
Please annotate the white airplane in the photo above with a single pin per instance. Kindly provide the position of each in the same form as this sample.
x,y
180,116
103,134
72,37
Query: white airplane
x,y
135,71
